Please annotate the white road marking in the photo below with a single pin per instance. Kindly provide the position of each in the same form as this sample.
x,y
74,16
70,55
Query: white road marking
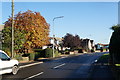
x,y
30,65
61,58
34,75
96,60
59,65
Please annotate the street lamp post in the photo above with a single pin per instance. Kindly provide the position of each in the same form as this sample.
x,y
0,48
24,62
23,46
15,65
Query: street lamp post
x,y
53,31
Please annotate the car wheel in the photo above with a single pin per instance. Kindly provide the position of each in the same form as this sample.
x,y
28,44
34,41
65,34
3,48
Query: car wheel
x,y
14,70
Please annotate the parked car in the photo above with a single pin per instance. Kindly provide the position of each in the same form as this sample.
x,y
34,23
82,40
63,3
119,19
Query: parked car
x,y
8,65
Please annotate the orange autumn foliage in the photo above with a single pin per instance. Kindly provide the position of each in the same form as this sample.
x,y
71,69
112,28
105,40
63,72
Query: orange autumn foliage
x,y
35,26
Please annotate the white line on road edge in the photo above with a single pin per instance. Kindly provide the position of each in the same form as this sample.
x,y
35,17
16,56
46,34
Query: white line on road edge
x,y
30,65
34,75
59,65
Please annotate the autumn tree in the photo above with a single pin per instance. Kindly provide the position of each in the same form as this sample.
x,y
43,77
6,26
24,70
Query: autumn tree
x,y
71,41
34,26
19,38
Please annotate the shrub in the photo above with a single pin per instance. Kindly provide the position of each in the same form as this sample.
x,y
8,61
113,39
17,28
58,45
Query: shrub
x,y
26,55
80,51
67,51
62,52
31,56
37,55
114,47
57,54
18,57
48,52
72,49
40,52
92,50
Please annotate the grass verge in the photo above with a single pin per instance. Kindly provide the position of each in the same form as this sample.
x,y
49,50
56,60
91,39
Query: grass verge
x,y
118,65
104,57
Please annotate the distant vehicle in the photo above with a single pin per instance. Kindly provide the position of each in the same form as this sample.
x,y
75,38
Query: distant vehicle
x,y
8,65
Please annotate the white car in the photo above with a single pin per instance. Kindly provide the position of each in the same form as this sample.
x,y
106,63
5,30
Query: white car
x,y
8,65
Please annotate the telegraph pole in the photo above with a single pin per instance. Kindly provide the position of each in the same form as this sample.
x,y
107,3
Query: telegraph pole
x,y
12,28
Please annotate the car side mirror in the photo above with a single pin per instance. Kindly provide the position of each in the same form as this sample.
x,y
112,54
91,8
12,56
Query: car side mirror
x,y
9,59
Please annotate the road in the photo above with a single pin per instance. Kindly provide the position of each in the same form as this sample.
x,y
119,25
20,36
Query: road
x,y
77,66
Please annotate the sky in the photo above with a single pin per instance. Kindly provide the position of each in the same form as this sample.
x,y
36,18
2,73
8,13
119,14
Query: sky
x,y
87,19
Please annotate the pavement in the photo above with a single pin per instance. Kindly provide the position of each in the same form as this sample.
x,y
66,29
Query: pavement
x,y
22,63
101,70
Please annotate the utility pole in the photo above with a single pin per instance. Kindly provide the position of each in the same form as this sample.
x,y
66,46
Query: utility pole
x,y
12,28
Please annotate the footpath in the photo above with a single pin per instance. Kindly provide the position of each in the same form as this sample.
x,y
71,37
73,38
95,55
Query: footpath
x,y
101,70
23,64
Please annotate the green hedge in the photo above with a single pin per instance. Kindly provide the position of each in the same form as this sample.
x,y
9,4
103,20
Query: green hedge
x,y
39,52
48,52
31,56
18,57
37,55
57,54
114,47
26,55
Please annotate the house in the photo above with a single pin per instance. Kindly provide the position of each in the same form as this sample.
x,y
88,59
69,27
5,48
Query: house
x,y
57,41
87,44
103,46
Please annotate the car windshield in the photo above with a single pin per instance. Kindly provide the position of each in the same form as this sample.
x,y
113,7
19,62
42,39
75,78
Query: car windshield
x,y
3,56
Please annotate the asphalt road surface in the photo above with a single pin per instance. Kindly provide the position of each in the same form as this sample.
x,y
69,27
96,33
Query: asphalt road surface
x,y
77,67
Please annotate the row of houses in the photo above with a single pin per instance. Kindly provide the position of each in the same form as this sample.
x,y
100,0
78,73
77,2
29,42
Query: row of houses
x,y
86,44
101,46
